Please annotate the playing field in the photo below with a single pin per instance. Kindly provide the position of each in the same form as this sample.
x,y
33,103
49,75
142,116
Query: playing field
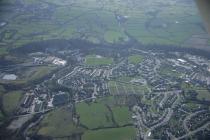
x,y
96,60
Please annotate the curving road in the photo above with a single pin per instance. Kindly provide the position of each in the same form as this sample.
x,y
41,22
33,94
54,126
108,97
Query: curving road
x,y
188,118
190,133
165,120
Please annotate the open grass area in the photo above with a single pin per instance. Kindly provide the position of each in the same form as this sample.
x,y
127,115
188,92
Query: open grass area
x,y
40,72
2,90
32,74
122,115
58,123
192,106
114,37
203,95
125,79
110,101
167,71
125,133
94,60
112,87
3,51
11,100
103,113
187,86
94,115
135,59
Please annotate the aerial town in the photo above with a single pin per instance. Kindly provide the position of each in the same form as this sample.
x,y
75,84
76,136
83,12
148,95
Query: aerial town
x,y
165,92
104,70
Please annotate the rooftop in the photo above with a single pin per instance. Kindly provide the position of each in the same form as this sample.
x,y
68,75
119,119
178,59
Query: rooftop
x,y
10,77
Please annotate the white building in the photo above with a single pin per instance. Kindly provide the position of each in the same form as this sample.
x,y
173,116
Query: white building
x,y
59,62
10,77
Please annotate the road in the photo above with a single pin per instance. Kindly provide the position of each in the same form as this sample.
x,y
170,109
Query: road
x,y
190,133
60,81
188,118
165,120
139,121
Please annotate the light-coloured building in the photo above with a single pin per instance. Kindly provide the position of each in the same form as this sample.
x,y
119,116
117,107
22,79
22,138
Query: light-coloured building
x,y
10,77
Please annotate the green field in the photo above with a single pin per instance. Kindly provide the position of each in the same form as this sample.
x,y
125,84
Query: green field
x,y
168,71
58,123
125,79
135,59
35,73
192,106
125,133
103,113
122,115
40,72
3,51
112,87
146,22
94,60
31,74
11,100
114,37
2,90
203,95
186,87
94,115
110,100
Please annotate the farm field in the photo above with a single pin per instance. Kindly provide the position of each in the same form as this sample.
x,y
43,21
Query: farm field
x,y
103,113
94,115
115,22
122,115
11,100
58,123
